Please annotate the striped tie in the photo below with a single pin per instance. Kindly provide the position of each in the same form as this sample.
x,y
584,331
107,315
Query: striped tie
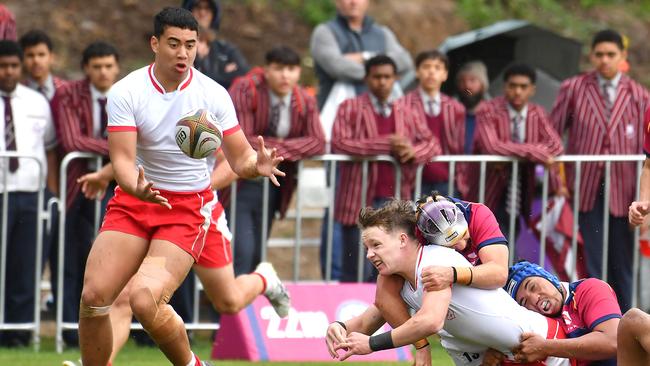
x,y
608,88
10,135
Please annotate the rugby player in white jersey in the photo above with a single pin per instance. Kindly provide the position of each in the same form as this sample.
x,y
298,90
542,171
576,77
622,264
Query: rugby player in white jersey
x,y
155,227
468,320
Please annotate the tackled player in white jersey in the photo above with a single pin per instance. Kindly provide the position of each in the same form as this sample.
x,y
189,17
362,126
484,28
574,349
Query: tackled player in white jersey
x,y
468,320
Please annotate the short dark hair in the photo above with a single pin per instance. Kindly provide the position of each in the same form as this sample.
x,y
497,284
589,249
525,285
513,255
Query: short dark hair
x,y
10,48
99,49
431,55
282,55
522,70
608,35
394,214
35,37
380,60
174,17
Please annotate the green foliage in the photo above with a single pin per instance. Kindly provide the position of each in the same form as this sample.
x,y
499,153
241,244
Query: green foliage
x,y
313,11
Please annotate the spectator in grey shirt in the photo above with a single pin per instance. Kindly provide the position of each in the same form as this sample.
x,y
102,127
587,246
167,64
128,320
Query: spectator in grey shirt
x,y
341,45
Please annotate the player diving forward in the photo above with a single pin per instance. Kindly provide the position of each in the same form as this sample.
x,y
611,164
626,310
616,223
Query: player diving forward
x,y
468,320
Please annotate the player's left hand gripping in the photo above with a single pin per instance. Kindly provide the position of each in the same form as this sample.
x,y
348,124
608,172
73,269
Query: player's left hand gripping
x,y
268,161
531,348
144,191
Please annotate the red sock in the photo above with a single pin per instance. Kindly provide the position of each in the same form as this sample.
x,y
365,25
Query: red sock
x,y
263,281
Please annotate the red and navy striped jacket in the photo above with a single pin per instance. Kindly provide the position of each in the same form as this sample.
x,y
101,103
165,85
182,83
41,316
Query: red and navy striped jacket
x,y
72,110
494,137
355,133
453,131
250,95
580,110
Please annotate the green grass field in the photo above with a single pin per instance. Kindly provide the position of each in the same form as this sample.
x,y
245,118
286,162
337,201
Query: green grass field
x,y
132,355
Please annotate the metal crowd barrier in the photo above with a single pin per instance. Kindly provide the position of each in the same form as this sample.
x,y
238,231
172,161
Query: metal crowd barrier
x,y
333,159
483,161
34,326
60,324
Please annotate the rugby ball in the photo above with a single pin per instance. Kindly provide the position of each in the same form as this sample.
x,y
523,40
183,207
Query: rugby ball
x,y
198,134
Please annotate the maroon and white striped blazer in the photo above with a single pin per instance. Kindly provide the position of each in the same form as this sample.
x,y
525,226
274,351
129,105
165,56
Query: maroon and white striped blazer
x,y
355,133
453,138
494,137
72,110
250,95
580,109
7,24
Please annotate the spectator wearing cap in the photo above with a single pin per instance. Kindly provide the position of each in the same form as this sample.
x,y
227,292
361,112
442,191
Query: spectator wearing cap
x,y
368,125
79,110
511,125
587,308
27,128
444,116
220,60
602,112
472,84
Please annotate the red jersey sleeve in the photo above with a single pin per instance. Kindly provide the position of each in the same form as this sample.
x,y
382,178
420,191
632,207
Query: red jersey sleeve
x,y
484,228
646,134
596,302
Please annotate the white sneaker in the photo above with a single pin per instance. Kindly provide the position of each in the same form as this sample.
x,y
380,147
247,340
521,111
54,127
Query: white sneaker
x,y
275,291
72,363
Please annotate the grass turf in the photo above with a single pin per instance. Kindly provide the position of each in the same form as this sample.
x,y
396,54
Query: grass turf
x,y
133,355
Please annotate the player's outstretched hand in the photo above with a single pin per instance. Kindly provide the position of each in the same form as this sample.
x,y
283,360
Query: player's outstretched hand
x,y
268,161
492,357
93,185
436,278
144,191
531,348
354,344
423,356
638,211
335,335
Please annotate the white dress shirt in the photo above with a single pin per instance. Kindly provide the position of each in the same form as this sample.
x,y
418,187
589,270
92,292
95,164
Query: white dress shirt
x,y
431,104
35,134
614,86
518,130
284,124
48,87
95,95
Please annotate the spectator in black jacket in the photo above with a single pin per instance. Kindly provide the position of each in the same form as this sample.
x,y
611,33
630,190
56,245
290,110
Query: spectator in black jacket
x,y
220,60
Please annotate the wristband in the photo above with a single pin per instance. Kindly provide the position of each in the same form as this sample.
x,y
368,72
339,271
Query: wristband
x,y
381,341
341,324
421,343
455,274
471,277
464,275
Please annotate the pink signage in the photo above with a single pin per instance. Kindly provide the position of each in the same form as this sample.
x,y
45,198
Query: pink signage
x,y
258,334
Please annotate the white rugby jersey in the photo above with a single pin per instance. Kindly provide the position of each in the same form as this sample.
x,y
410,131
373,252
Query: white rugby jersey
x,y
476,318
139,103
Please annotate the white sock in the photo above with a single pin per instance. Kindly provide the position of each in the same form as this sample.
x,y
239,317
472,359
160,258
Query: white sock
x,y
192,360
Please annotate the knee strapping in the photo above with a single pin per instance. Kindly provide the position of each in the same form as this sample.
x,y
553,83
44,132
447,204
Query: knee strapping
x,y
86,311
167,326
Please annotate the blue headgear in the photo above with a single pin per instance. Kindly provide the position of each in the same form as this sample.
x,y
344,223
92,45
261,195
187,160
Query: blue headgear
x,y
522,270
